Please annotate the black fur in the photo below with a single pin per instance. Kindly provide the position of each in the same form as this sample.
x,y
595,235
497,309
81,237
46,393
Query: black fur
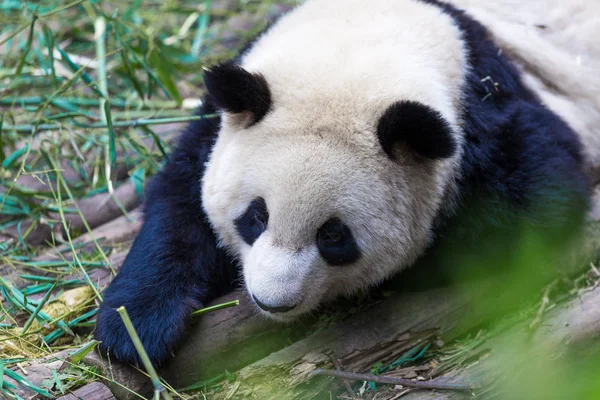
x,y
518,156
336,243
254,221
418,126
236,90
174,266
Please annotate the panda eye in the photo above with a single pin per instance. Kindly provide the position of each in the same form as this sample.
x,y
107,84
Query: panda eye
x,y
261,219
254,221
336,243
330,237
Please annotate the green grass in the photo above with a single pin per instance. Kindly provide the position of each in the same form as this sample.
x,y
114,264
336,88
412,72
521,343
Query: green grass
x,y
91,95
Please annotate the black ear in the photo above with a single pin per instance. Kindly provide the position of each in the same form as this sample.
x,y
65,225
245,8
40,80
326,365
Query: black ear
x,y
235,90
417,126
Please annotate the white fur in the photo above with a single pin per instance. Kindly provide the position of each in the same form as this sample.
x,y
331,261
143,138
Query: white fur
x,y
333,67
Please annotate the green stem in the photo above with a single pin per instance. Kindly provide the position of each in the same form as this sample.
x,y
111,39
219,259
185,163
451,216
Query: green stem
x,y
86,102
217,307
116,124
203,21
158,386
38,309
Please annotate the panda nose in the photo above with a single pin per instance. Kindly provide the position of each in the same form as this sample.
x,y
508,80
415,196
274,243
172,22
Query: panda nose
x,y
272,309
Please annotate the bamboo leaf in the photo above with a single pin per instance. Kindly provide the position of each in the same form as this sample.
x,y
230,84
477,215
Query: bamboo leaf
x,y
164,68
203,21
78,355
14,156
128,16
2,156
111,136
131,73
38,309
49,41
138,178
58,382
76,69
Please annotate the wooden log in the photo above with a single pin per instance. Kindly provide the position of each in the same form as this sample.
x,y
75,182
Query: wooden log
x,y
234,338
514,355
97,210
100,209
125,381
356,344
116,233
378,333
121,380
91,391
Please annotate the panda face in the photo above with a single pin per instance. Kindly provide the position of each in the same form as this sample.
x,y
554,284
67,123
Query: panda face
x,y
311,216
339,144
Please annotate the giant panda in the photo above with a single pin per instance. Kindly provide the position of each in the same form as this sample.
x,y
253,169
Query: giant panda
x,y
352,136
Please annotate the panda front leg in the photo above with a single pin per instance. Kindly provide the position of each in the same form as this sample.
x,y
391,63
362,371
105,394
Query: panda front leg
x,y
173,267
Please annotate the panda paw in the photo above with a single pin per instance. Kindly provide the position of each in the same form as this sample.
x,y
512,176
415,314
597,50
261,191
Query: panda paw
x,y
159,332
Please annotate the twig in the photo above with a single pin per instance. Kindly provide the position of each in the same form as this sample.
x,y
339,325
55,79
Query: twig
x,y
432,384
595,270
543,306
345,382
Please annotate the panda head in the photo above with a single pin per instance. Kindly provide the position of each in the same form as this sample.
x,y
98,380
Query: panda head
x,y
324,180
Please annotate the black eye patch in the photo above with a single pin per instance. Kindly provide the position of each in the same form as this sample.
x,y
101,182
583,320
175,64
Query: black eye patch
x,y
254,221
336,243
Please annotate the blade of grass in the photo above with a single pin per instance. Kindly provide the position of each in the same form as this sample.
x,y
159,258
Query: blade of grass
x,y
116,124
132,9
49,41
1,374
1,141
21,380
79,71
63,8
78,355
87,102
129,69
68,234
100,36
27,46
58,382
88,231
156,141
138,178
111,163
164,71
216,307
52,336
14,156
18,298
203,22
38,309
14,33
158,386
8,394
